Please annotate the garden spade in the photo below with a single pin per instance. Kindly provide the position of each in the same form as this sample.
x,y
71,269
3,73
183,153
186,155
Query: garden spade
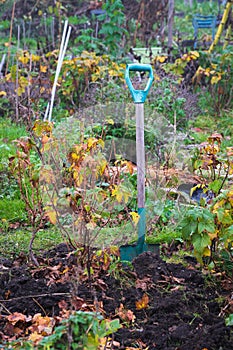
x,y
128,252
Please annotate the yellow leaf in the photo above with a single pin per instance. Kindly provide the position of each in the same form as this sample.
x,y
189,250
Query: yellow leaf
x,y
117,193
35,337
161,59
20,91
135,217
101,168
194,54
156,77
24,59
65,270
79,179
74,156
142,303
218,205
215,79
35,58
207,252
230,197
213,235
43,69
75,174
91,142
52,215
23,82
110,121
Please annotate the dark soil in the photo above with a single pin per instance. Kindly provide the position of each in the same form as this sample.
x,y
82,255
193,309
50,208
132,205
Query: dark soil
x,y
182,312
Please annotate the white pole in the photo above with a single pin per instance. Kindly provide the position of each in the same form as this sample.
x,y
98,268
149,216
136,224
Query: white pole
x,y
64,43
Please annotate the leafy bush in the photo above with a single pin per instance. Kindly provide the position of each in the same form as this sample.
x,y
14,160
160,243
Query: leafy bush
x,y
209,227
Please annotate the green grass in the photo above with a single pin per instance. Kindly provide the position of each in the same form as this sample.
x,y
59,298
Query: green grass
x,y
118,235
12,210
166,236
8,133
14,242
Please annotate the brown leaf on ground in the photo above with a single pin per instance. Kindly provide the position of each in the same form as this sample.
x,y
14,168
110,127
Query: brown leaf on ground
x,y
142,303
42,325
16,317
126,315
144,283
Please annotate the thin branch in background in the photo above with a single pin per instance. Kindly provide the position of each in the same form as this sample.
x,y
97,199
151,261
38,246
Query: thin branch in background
x,y
29,91
10,38
52,33
45,25
24,34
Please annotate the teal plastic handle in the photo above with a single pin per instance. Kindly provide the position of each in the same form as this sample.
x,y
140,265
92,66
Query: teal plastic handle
x,y
139,96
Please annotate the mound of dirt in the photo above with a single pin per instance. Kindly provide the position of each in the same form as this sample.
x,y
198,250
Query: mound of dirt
x,y
161,305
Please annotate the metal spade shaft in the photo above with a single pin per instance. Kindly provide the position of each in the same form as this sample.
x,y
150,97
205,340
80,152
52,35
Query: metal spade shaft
x,y
139,97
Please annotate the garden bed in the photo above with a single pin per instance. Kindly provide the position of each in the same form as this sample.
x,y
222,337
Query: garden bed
x,y
160,305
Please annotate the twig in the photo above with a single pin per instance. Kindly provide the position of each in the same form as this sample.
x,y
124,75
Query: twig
x,y
4,307
33,296
10,37
35,301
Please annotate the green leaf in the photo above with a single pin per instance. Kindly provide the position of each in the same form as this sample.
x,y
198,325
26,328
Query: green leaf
x,y
215,185
188,228
229,320
227,218
201,241
206,226
229,230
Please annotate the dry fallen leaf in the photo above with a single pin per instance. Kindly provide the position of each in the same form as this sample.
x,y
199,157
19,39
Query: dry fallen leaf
x,y
126,315
42,325
16,317
142,303
144,283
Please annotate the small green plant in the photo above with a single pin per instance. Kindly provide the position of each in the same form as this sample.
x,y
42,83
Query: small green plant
x,y
229,320
209,227
210,231
198,228
169,104
82,330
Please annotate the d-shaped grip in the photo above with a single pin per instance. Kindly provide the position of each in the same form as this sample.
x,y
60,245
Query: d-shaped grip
x,y
139,96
